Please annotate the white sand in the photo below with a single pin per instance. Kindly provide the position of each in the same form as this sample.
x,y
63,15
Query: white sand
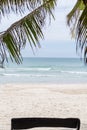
x,y
42,100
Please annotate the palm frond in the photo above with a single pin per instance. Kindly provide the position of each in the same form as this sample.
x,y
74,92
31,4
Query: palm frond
x,y
74,12
77,20
81,32
6,6
19,6
73,16
27,29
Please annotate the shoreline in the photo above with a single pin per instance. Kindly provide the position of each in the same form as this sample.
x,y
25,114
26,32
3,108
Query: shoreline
x,y
42,100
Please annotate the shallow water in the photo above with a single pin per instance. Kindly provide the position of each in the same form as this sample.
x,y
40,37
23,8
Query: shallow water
x,y
45,70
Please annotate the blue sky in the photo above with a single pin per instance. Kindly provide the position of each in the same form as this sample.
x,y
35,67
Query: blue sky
x,y
57,42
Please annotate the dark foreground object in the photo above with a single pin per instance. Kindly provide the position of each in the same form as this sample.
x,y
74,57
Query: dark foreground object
x,y
26,123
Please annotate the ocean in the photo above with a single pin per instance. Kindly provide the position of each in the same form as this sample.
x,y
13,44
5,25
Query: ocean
x,y
45,70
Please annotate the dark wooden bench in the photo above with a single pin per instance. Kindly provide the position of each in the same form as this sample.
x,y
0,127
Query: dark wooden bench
x,y
27,123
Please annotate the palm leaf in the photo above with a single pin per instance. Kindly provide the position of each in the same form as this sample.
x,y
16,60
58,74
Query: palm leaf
x,y
19,6
81,32
74,12
27,29
6,6
73,16
77,20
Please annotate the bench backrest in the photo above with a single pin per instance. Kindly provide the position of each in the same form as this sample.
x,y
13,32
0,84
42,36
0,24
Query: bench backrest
x,y
27,123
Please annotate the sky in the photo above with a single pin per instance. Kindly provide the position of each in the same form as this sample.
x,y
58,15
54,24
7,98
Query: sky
x,y
57,38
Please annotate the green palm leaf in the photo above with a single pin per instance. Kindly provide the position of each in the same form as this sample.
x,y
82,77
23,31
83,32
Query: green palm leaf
x,y
6,6
81,32
19,6
26,30
74,12
77,20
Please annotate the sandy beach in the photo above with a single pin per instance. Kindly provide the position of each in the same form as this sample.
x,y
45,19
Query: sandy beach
x,y
42,100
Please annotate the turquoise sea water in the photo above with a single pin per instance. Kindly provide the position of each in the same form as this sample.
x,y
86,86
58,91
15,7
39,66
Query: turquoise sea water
x,y
45,70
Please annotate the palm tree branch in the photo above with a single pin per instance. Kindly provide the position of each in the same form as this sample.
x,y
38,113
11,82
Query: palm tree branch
x,y
77,20
81,32
19,6
74,12
27,29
